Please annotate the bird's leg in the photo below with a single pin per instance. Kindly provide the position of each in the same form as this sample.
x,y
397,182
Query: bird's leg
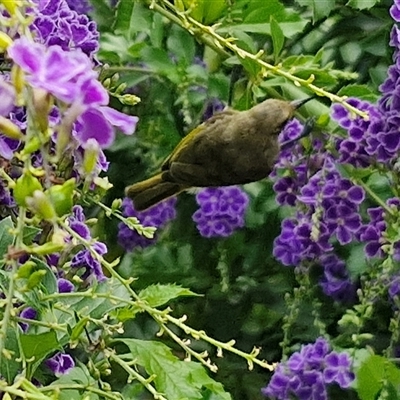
x,y
307,129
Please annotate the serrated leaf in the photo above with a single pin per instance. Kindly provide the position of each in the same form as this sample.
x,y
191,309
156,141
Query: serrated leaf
x,y
157,295
278,38
6,238
175,378
373,373
360,91
320,8
362,4
39,346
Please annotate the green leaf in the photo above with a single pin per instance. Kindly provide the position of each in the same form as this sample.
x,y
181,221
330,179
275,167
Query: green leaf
x,y
175,378
213,9
289,29
372,374
80,375
159,61
157,295
48,280
278,38
30,232
6,238
39,346
362,4
181,43
363,92
123,15
320,8
9,368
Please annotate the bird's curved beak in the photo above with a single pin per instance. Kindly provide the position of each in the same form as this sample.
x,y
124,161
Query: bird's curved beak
x,y
298,103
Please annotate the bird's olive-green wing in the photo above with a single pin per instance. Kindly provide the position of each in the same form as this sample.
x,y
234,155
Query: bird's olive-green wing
x,y
199,130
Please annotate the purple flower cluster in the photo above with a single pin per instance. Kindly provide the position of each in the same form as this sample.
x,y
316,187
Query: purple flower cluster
x,y
63,23
332,204
221,210
366,143
307,373
69,77
336,282
374,232
157,216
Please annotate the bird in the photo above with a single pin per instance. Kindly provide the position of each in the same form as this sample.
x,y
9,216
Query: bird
x,y
231,148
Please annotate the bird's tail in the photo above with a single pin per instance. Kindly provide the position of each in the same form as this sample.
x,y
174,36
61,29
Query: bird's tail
x,y
151,191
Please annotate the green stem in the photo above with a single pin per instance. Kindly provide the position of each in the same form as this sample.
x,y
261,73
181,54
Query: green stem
x,y
135,375
218,43
10,294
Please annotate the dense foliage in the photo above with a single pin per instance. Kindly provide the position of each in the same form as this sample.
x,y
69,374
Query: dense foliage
x,y
286,288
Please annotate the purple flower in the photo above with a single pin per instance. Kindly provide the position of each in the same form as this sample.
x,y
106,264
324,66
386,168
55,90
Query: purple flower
x,y
27,313
77,223
336,282
307,374
84,259
221,211
67,75
60,363
80,6
337,369
7,94
157,216
65,286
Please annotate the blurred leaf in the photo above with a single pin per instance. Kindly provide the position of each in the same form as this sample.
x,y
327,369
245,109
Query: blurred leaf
x,y
372,375
123,14
30,232
289,29
278,38
181,44
175,378
159,61
320,8
362,4
157,295
6,238
360,91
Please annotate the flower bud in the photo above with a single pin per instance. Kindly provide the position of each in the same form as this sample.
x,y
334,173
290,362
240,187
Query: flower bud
x,y
61,197
92,150
9,129
25,186
42,103
5,41
11,6
47,248
41,205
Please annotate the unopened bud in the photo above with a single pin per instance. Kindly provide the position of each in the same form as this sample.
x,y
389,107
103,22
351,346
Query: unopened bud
x,y
11,5
9,129
61,197
41,205
47,248
92,150
42,103
5,41
24,187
